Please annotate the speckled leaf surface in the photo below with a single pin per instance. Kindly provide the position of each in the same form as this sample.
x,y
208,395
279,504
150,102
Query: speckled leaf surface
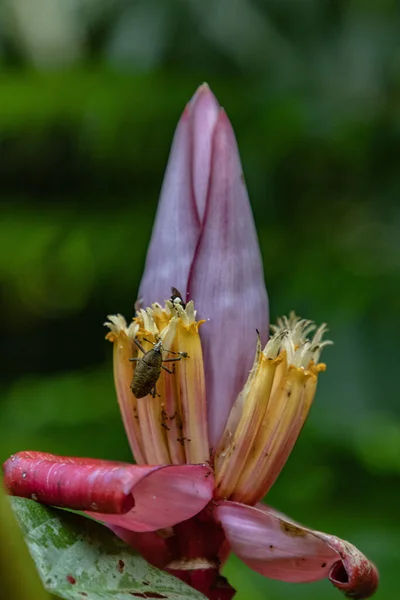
x,y
80,559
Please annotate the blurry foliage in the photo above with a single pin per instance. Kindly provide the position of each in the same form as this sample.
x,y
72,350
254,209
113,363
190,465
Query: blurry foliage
x,y
313,91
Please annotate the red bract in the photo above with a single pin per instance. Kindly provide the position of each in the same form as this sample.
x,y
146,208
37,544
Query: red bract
x,y
219,426
142,498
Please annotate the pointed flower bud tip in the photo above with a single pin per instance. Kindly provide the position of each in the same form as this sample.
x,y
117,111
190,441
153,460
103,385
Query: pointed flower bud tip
x,y
204,241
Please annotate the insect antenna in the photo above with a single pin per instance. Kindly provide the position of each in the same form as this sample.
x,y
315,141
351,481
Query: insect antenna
x,y
184,354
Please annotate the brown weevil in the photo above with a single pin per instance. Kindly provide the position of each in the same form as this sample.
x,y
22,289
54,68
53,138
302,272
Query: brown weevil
x,y
176,297
148,369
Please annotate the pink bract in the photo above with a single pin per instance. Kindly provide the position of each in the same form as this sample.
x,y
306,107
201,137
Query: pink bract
x,y
205,244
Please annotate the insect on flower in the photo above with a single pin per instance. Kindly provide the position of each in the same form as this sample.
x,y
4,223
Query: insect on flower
x,y
213,447
176,298
148,368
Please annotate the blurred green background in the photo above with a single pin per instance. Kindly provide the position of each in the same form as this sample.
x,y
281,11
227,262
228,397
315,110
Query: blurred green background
x,y
90,93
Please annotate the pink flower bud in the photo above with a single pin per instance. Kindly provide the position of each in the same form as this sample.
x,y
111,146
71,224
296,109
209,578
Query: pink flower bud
x,y
205,244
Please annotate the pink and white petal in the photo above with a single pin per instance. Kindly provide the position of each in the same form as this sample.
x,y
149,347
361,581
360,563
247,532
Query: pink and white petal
x,y
176,227
204,111
279,548
227,281
137,497
167,496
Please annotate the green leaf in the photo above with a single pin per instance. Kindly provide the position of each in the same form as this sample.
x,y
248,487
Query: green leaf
x,y
78,558
18,576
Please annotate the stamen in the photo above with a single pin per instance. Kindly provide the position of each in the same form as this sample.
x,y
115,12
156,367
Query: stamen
x,y
170,406
192,392
293,333
270,411
117,324
153,434
169,424
122,338
233,458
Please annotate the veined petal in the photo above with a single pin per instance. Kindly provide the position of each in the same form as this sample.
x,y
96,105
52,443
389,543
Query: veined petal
x,y
279,548
140,498
227,282
176,228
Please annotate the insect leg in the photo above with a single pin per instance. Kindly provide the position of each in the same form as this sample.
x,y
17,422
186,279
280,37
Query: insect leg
x,y
154,392
172,359
169,370
182,354
135,359
139,345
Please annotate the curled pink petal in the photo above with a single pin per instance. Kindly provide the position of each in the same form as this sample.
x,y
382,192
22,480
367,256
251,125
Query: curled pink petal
x,y
170,495
140,498
279,548
354,574
227,282
176,228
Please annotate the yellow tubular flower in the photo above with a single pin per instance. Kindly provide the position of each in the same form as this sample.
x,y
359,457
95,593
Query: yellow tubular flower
x,y
170,424
270,412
